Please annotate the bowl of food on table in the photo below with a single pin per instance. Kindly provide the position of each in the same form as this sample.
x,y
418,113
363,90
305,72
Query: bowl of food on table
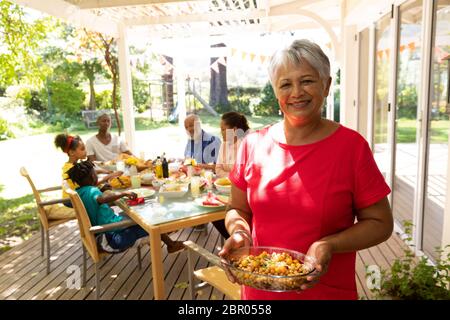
x,y
157,183
270,268
173,190
223,185
147,177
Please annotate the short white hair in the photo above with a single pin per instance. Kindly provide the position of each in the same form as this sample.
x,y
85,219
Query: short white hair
x,y
193,117
297,52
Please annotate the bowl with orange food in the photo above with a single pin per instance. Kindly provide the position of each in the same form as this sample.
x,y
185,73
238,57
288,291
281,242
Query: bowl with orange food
x,y
223,185
270,268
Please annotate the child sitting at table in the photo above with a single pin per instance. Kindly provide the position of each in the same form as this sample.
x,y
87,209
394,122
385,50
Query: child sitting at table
x,y
76,150
100,213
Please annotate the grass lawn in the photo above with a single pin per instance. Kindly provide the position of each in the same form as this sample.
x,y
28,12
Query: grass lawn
x,y
407,131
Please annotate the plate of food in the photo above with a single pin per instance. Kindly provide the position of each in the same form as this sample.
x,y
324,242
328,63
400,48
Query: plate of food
x,y
106,165
270,268
144,192
212,200
121,182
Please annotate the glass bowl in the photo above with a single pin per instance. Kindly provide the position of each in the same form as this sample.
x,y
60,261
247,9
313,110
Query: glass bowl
x,y
271,281
222,188
173,191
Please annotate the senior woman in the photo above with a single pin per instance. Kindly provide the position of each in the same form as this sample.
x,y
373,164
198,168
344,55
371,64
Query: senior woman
x,y
307,183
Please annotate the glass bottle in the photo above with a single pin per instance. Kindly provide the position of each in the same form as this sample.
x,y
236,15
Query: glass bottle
x,y
165,167
158,168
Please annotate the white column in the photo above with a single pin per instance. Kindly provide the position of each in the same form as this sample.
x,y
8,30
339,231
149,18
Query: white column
x,y
371,85
126,93
181,90
423,117
349,77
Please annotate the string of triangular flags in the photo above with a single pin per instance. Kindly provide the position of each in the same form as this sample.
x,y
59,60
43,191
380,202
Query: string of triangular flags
x,y
244,55
253,57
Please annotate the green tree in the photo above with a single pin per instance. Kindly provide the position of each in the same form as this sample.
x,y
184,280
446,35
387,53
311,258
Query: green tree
x,y
107,46
20,39
269,103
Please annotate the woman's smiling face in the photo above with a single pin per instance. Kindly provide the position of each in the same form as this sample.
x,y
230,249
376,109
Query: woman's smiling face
x,y
300,92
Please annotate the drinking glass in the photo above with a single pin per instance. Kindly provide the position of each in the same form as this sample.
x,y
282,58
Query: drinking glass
x,y
120,165
195,186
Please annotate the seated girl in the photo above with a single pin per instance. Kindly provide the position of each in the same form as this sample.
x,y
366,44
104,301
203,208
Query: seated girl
x,y
76,150
100,213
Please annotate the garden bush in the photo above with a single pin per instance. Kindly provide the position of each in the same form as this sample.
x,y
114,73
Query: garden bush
x,y
241,105
65,98
269,103
104,99
141,95
412,278
5,133
407,102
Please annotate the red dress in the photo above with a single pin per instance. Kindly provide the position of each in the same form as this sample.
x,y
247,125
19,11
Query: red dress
x,y
300,194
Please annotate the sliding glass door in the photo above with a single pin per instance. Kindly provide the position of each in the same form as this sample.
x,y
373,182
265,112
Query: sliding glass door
x,y
408,78
438,131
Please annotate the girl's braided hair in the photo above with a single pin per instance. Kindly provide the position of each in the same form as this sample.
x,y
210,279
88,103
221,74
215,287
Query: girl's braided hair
x,y
67,142
80,173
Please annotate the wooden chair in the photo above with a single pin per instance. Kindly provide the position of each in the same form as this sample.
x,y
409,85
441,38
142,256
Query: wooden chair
x,y
214,275
88,232
44,210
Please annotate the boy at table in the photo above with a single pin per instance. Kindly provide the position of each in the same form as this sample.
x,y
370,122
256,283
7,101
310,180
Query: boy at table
x,y
100,213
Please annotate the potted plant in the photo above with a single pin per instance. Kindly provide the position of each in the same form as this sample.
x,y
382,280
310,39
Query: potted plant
x,y
415,278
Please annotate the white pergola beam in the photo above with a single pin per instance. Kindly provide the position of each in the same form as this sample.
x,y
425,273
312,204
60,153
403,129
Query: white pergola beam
x,y
198,17
73,15
227,15
221,30
99,4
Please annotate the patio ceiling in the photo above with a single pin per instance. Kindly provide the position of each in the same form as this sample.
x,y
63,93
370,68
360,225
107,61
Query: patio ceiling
x,y
180,18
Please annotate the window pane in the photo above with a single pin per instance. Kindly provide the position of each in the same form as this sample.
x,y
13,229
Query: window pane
x,y
383,35
408,87
438,133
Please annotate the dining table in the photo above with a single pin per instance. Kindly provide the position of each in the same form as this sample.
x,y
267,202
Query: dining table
x,y
157,216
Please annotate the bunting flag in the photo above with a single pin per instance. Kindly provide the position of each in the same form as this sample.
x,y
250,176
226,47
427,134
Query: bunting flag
x,y
411,47
222,61
252,56
380,55
215,66
440,54
262,59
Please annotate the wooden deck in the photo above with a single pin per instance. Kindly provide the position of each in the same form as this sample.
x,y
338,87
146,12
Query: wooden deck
x,y
23,275
403,206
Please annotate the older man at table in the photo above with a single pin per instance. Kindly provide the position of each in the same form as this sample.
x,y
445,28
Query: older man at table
x,y
201,146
